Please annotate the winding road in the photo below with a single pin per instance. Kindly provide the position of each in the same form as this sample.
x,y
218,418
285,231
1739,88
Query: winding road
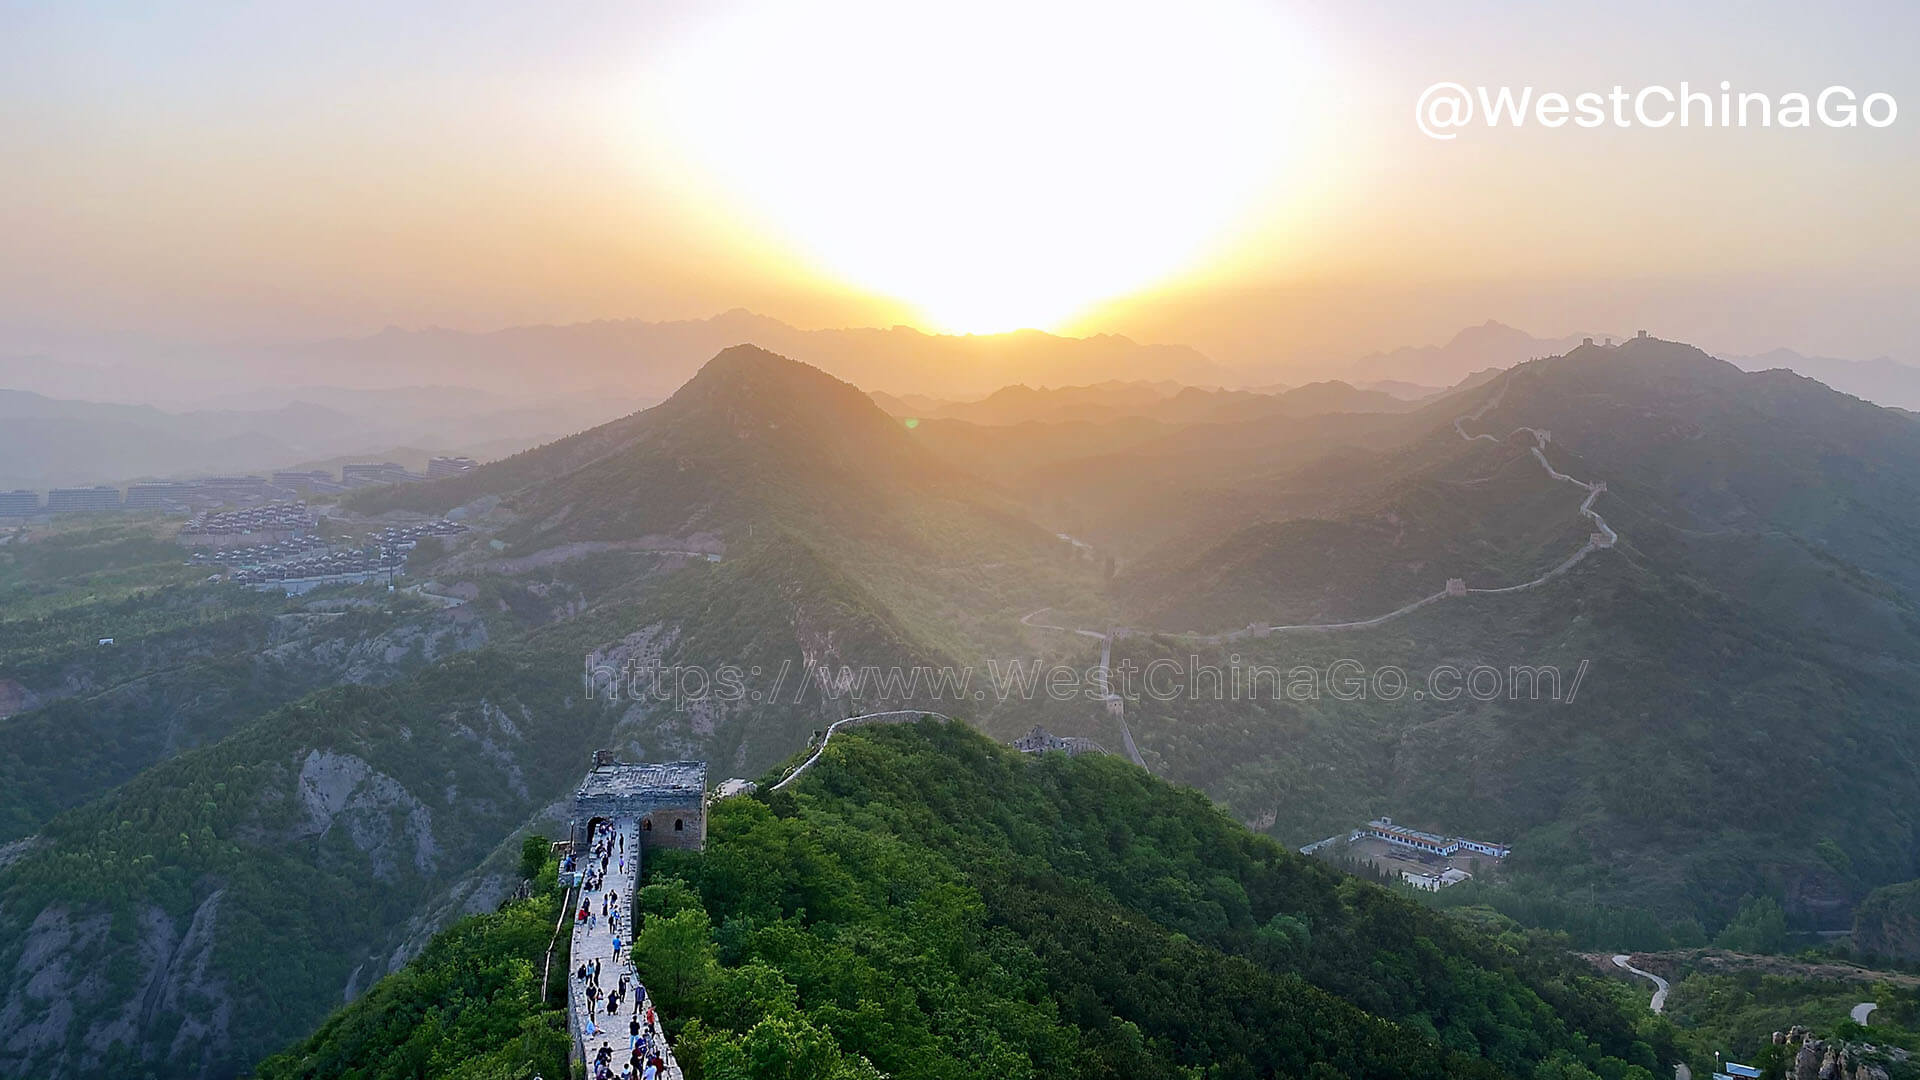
x,y
1659,1004
1862,1011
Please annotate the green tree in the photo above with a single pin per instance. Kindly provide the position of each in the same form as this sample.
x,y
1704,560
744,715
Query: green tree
x,y
788,1048
1286,931
533,856
1774,1062
1688,933
1760,927
665,898
1832,854
1563,1066
738,998
675,957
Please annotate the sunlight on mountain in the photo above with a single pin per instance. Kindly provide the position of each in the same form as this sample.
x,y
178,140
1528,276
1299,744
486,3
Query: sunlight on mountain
x,y
1002,180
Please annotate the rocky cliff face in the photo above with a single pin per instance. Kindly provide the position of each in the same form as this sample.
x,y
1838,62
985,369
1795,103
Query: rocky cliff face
x,y
94,723
157,1001
304,859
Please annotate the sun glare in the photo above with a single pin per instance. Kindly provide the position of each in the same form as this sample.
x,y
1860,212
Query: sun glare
x,y
992,166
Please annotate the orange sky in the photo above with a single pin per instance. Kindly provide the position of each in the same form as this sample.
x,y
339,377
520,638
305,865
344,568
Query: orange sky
x,y
1245,177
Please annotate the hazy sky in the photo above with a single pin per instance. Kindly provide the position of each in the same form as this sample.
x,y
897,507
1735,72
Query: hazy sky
x,y
1243,176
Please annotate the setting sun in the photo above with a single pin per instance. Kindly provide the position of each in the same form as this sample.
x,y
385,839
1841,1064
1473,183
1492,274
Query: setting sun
x,y
1000,180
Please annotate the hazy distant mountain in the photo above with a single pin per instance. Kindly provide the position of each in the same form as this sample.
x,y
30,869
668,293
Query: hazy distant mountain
x,y
630,358
1489,345
1405,391
51,442
46,442
1882,380
1021,403
1163,401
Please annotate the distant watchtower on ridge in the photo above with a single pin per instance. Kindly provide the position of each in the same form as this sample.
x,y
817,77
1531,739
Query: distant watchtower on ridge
x,y
668,799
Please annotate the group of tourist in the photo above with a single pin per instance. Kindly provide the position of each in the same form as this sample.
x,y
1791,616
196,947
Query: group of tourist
x,y
646,1057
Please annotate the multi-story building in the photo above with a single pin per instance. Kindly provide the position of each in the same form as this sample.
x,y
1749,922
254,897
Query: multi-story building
x,y
300,479
18,503
1401,836
370,472
71,500
157,495
448,466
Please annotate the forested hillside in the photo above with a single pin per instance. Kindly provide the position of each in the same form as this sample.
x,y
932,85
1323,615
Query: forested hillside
x,y
929,904
1750,640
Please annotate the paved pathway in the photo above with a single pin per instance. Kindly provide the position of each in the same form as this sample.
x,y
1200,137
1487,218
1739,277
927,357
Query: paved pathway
x,y
896,716
1027,620
1862,1011
591,1028
1659,1003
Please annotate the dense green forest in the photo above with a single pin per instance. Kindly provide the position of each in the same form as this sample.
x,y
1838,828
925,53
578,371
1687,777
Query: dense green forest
x,y
930,904
471,1005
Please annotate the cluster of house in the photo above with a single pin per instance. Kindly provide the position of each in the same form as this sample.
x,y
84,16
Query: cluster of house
x,y
254,555
331,567
276,521
405,537
223,490
302,561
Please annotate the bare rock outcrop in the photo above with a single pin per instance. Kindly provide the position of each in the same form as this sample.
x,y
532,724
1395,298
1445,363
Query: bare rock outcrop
x,y
1819,1059
381,818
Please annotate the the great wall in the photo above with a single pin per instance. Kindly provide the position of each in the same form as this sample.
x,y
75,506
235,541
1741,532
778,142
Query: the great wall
x,y
1601,538
621,811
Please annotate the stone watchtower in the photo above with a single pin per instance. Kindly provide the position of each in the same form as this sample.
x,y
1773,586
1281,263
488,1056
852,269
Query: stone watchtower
x,y
668,799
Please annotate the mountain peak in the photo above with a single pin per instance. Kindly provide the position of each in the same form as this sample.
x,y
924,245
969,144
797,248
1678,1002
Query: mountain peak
x,y
1491,330
743,372
792,410
749,355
